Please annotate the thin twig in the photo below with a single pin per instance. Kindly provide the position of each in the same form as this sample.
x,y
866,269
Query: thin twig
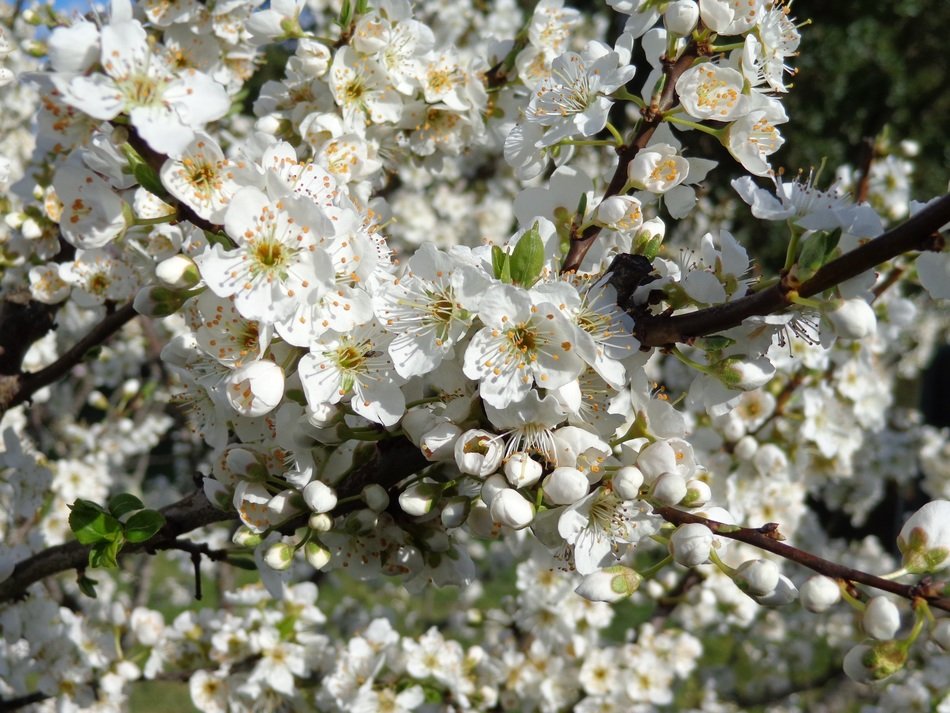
x,y
765,538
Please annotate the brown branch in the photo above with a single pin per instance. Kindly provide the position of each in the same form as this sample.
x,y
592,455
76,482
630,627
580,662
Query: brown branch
x,y
394,460
581,244
765,538
917,233
17,388
12,704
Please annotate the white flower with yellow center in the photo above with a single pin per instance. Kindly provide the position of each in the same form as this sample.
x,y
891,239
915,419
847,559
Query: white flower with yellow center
x,y
354,367
277,262
522,344
657,168
708,91
754,137
202,178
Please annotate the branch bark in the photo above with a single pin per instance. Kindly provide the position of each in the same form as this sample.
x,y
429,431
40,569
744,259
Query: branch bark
x,y
917,233
765,538
393,461
17,388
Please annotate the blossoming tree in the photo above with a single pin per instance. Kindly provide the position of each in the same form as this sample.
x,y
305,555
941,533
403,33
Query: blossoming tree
x,y
429,306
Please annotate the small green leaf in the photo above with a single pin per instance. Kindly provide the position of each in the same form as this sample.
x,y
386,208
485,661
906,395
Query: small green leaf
x,y
714,343
143,524
527,259
501,264
816,251
87,585
124,503
242,563
106,554
91,524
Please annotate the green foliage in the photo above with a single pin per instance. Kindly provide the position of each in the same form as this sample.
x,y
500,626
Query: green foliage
x,y
106,532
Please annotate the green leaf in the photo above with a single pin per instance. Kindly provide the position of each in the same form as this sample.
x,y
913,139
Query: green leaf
x,y
106,554
527,259
87,585
143,524
501,264
816,251
242,563
91,523
124,503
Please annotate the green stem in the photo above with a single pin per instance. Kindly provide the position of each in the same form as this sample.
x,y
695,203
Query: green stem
x,y
727,48
171,217
623,95
689,362
723,567
587,142
650,572
846,595
616,134
718,133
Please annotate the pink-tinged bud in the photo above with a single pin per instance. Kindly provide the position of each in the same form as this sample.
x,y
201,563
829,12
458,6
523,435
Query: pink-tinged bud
x,y
820,593
609,585
925,538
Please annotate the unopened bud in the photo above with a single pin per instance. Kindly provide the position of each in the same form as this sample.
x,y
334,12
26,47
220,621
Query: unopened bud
x,y
610,584
279,556
178,272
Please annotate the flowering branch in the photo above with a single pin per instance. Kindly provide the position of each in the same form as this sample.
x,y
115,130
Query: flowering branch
x,y
393,461
768,538
917,233
17,388
652,118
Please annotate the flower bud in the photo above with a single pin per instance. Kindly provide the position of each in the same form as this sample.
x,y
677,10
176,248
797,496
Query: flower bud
x,y
320,522
681,17
319,496
510,508
493,485
881,619
924,541
255,389
869,663
417,500
360,522
853,319
480,522
158,301
565,486
438,444
785,592
819,593
698,494
757,577
316,554
455,511
745,448
691,543
279,556
245,537
478,452
743,374
375,497
178,272
609,585
522,471
669,489
627,482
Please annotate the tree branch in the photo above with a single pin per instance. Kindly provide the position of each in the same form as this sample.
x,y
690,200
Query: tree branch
x,y
766,538
580,245
17,388
917,233
394,460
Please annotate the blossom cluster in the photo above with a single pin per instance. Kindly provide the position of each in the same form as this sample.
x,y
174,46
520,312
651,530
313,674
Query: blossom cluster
x,y
370,262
